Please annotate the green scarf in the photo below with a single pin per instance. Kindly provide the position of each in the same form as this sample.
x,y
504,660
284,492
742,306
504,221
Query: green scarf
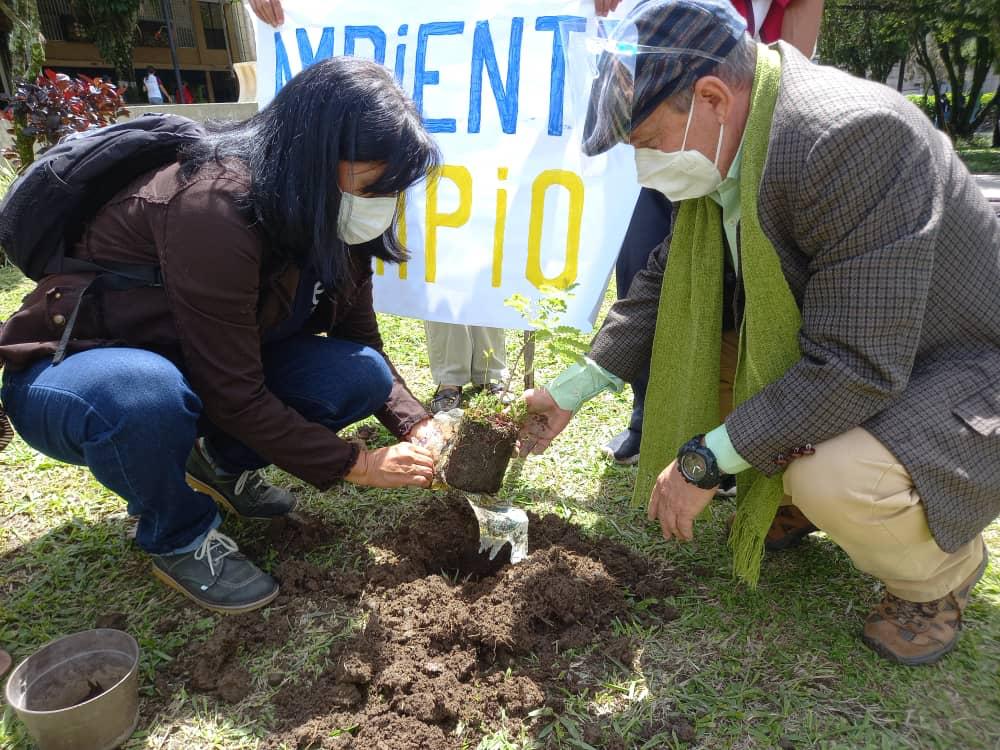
x,y
683,395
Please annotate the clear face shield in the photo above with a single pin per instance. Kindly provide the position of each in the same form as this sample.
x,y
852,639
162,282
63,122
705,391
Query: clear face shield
x,y
613,82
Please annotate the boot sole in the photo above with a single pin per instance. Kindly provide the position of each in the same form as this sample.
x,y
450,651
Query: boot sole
x,y
220,608
790,540
206,489
914,661
628,461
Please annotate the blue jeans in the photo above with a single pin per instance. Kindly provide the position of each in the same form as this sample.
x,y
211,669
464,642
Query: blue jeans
x,y
132,417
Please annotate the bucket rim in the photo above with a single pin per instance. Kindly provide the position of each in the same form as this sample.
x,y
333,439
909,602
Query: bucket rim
x,y
131,641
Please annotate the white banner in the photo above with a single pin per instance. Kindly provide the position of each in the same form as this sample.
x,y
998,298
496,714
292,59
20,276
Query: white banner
x,y
513,208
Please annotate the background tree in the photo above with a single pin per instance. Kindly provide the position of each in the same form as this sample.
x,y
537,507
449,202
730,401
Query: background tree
x,y
954,42
964,35
112,26
863,37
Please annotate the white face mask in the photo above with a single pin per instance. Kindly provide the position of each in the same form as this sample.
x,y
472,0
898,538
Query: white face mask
x,y
362,219
679,175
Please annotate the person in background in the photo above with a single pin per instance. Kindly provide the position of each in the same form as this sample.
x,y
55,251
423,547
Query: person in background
x,y
796,22
458,354
153,86
184,96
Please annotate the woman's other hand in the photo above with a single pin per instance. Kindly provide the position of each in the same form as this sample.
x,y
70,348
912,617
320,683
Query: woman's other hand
x,y
400,465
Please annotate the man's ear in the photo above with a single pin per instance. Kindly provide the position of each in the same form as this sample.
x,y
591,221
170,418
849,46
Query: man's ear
x,y
713,91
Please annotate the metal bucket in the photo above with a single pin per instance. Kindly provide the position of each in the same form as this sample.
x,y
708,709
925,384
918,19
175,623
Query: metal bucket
x,y
79,692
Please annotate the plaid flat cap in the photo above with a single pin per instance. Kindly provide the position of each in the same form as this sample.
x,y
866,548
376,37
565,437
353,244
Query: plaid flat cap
x,y
666,45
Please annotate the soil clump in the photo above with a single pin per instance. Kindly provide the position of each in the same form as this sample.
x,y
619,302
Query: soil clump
x,y
448,641
476,460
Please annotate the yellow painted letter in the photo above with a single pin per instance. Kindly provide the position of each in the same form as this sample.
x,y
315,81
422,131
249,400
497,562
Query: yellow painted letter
x,y
499,229
574,185
462,179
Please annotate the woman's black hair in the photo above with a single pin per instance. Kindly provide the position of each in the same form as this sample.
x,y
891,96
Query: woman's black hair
x,y
340,109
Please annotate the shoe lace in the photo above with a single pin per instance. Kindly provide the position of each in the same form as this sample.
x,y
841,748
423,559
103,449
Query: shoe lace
x,y
252,477
215,549
909,613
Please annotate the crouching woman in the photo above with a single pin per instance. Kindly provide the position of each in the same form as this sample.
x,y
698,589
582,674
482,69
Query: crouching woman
x,y
260,345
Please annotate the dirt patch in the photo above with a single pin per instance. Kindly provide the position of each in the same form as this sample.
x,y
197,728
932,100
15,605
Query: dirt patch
x,y
113,620
448,640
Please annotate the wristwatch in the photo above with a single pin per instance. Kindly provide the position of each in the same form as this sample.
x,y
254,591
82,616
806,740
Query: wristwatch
x,y
697,464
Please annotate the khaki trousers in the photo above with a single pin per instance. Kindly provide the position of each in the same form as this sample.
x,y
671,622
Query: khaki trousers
x,y
462,354
855,491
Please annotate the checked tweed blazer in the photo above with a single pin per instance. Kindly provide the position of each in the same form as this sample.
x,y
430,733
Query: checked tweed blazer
x,y
893,255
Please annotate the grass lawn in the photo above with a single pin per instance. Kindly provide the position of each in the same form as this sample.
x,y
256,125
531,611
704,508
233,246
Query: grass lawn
x,y
979,157
778,667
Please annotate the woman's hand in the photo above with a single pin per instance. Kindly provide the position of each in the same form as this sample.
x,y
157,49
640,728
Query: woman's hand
x,y
427,434
400,465
269,11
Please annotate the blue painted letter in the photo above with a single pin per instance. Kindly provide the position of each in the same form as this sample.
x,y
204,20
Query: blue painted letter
x,y
323,51
506,96
373,33
423,77
282,70
560,25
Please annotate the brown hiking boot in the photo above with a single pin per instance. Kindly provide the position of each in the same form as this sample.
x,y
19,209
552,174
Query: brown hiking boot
x,y
914,633
788,528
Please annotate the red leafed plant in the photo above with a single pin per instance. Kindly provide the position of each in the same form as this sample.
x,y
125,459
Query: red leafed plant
x,y
56,105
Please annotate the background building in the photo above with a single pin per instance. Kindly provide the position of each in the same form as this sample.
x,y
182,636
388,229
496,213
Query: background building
x,y
210,36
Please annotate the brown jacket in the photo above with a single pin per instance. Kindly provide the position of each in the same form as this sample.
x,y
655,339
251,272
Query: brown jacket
x,y
222,288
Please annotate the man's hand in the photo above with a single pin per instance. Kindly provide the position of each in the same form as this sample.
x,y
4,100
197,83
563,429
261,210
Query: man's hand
x,y
270,11
545,421
676,503
603,7
400,465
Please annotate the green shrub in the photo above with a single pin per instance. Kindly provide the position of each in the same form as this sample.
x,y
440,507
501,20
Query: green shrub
x,y
928,105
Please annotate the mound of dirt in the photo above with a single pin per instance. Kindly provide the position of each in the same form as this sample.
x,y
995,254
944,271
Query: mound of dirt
x,y
450,638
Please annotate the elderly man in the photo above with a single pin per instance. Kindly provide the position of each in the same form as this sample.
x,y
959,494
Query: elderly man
x,y
863,353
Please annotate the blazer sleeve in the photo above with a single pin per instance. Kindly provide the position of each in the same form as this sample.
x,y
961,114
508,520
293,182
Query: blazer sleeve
x,y
867,211
211,261
624,343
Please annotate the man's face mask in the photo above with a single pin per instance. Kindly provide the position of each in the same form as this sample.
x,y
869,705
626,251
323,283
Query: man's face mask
x,y
362,219
680,175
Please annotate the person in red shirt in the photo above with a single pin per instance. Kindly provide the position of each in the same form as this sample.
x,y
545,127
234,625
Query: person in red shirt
x,y
184,95
795,21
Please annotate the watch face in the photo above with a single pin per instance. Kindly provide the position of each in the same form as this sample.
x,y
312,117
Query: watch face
x,y
693,466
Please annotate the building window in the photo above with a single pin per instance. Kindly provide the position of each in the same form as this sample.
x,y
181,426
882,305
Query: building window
x,y
213,25
153,26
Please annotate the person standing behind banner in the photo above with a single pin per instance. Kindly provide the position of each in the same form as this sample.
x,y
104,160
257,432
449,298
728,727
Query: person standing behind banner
x,y
794,21
458,354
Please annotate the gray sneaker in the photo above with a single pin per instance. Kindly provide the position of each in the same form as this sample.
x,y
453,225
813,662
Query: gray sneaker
x,y
217,576
245,494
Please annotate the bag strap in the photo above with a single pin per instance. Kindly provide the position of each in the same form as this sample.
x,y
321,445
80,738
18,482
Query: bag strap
x,y
117,278
141,274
